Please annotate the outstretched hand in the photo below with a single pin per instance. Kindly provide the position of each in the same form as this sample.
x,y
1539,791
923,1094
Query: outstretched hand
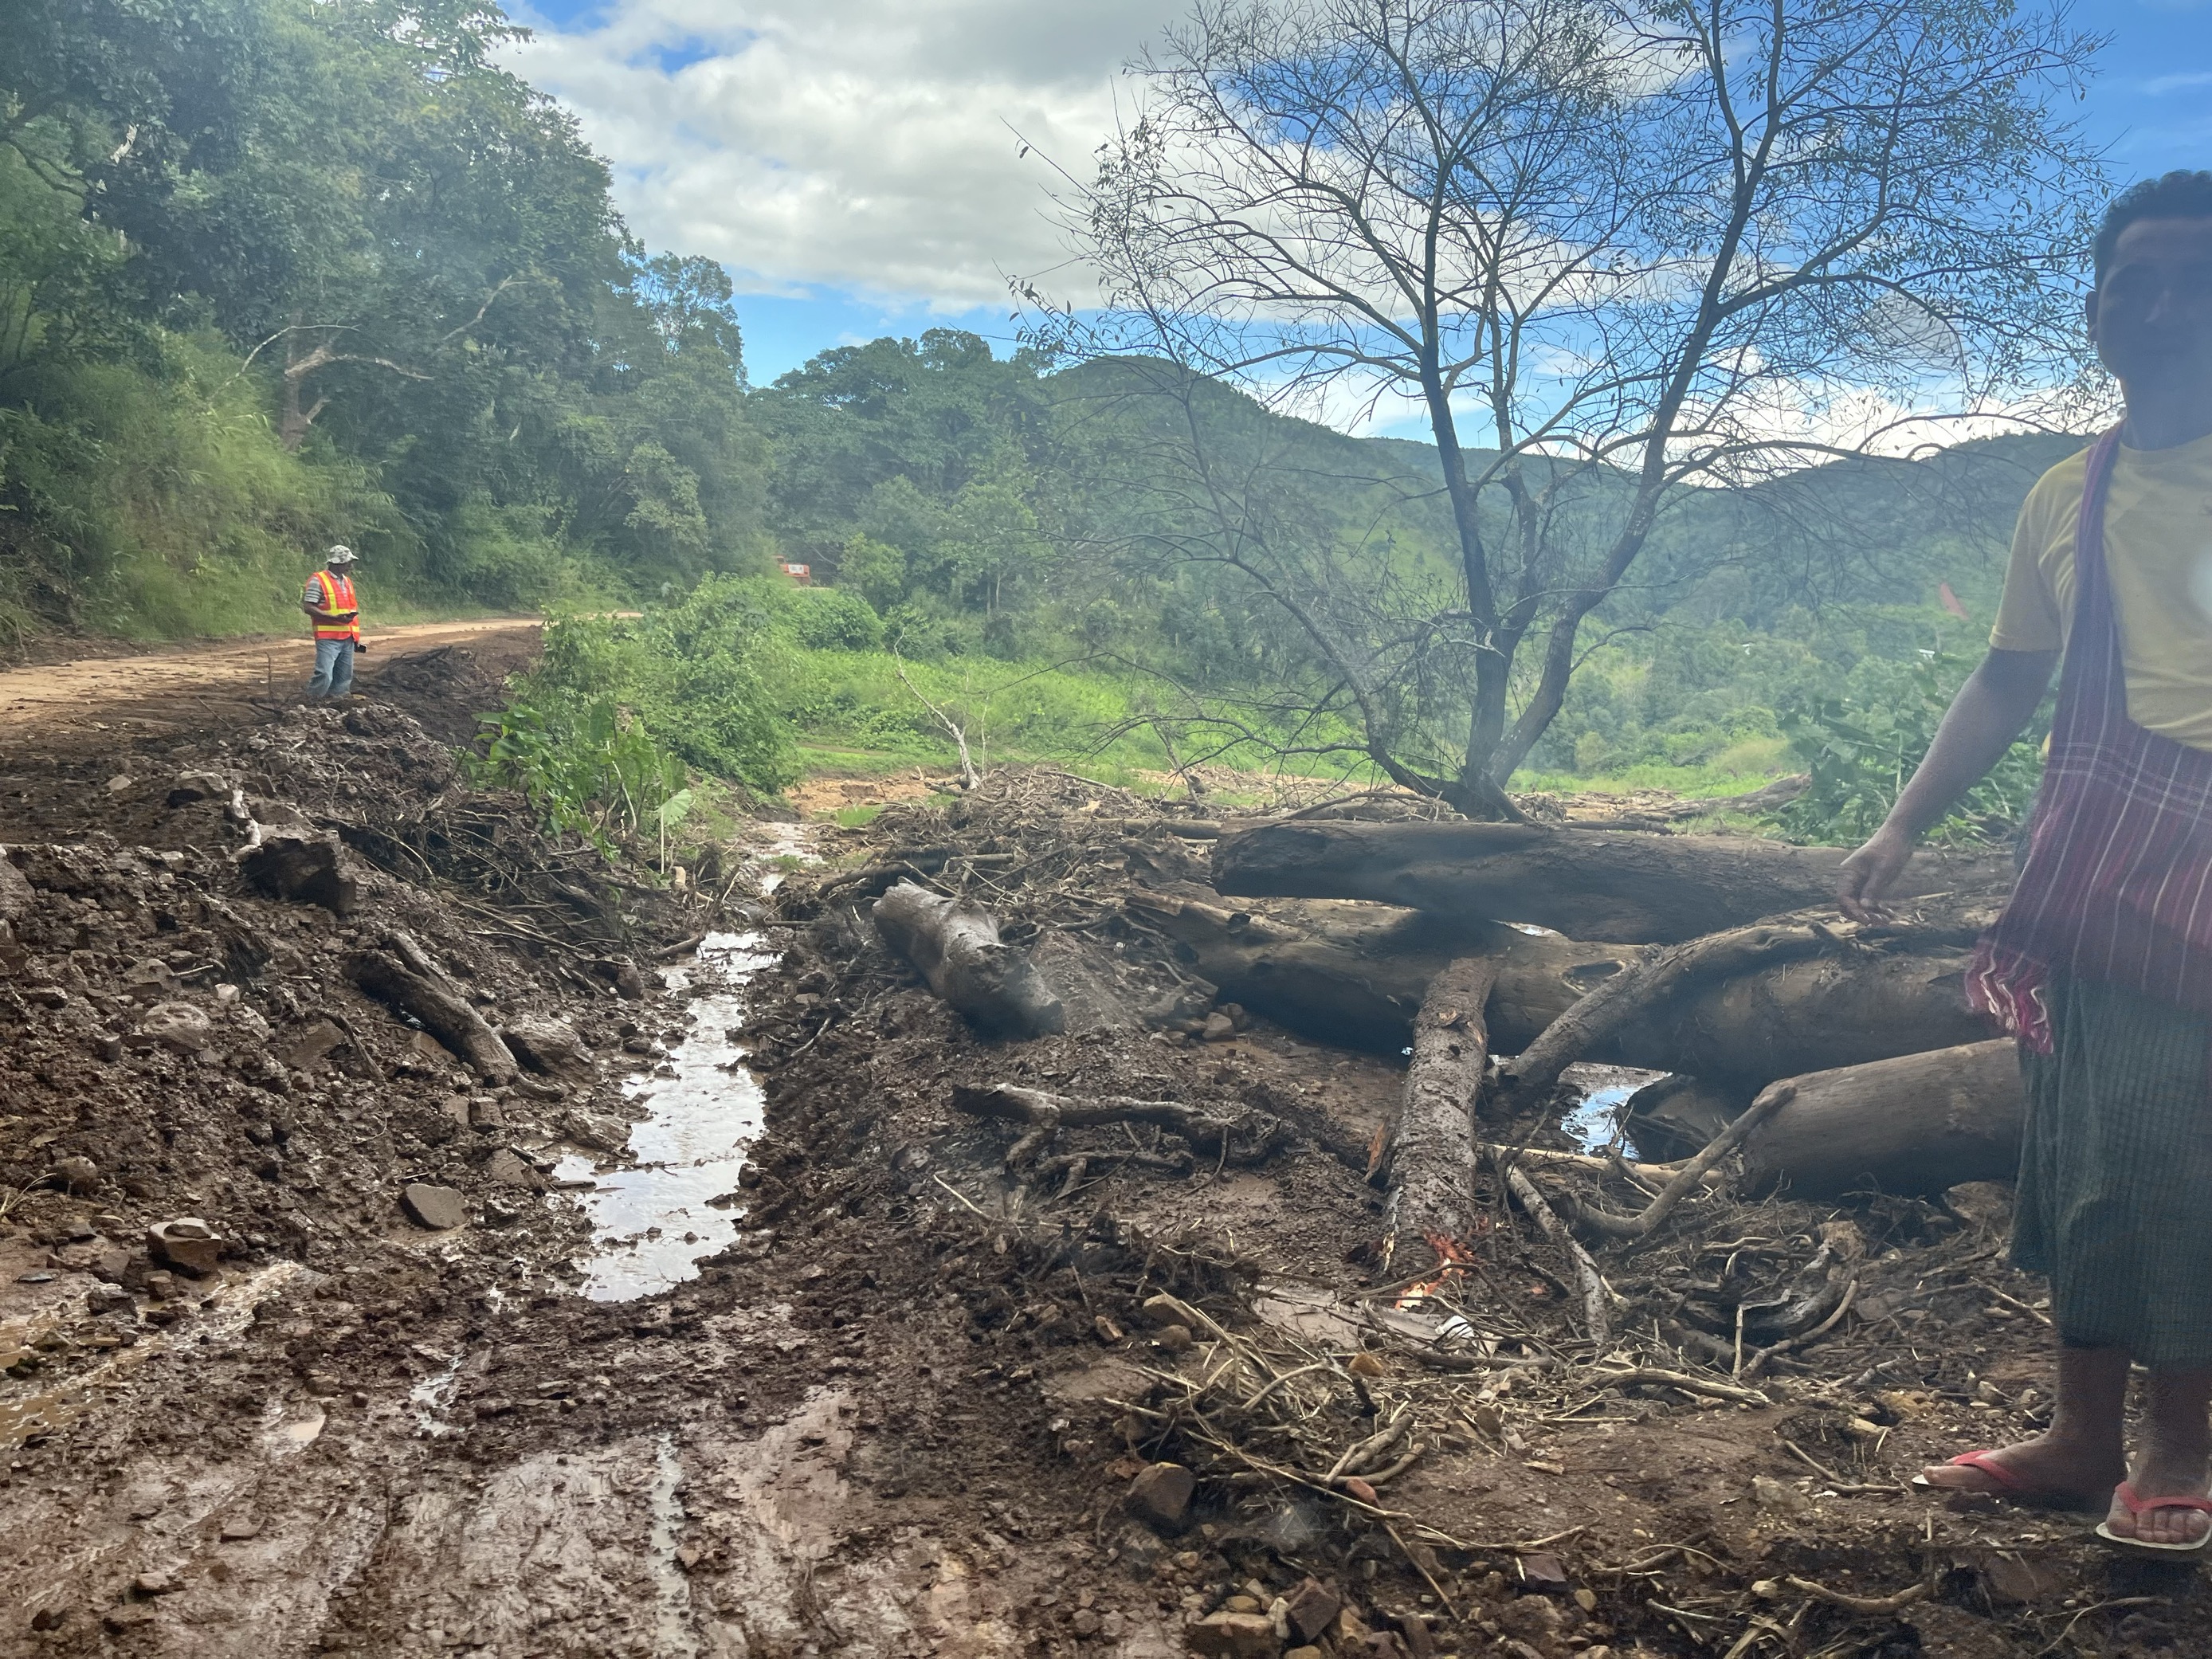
x,y
1867,874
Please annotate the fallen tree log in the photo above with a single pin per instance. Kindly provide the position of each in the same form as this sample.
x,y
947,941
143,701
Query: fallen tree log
x,y
1915,1124
1591,884
404,975
956,949
1355,974
1647,988
1432,1148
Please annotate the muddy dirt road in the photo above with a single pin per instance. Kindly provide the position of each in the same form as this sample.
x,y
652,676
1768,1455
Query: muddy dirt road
x,y
185,689
710,1323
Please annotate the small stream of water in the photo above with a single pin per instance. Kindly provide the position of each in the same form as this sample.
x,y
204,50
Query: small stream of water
x,y
652,1221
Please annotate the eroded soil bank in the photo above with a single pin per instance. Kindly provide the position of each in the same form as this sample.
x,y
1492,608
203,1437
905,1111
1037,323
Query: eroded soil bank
x,y
912,1395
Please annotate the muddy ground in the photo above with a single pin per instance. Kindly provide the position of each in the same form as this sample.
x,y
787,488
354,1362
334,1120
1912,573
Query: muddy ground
x,y
911,1398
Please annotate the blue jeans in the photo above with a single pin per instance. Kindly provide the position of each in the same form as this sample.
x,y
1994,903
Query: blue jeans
x,y
333,670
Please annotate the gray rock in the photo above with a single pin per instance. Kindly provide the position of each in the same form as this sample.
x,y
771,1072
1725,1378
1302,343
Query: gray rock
x,y
506,1167
308,1048
177,1025
198,786
15,893
596,1130
309,869
151,980
1310,1608
1160,1496
548,1046
441,1209
187,1244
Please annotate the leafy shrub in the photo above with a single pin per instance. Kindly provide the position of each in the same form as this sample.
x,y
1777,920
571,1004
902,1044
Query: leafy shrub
x,y
832,619
587,762
1860,752
697,675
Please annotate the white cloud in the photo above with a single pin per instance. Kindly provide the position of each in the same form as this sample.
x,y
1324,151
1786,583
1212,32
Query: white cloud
x,y
856,144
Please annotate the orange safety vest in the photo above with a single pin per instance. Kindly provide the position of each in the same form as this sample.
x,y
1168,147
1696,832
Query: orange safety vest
x,y
337,598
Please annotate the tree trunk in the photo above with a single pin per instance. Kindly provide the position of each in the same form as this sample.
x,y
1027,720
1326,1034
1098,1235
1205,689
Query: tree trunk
x,y
1915,1124
1431,1150
955,947
1589,885
1354,975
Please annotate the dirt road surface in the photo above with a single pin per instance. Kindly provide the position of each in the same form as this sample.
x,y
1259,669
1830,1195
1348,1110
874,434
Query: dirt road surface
x,y
179,690
708,1324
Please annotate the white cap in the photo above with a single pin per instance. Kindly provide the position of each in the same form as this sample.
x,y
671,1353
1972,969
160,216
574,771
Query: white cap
x,y
339,555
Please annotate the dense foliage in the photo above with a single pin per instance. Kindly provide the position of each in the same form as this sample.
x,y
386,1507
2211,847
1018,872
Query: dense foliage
x,y
275,272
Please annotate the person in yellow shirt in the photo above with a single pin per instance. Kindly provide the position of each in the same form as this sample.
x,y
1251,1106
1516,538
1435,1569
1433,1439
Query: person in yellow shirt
x,y
2101,965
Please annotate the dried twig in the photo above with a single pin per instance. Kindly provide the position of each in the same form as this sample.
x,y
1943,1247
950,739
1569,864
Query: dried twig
x,y
1597,1295
1772,1100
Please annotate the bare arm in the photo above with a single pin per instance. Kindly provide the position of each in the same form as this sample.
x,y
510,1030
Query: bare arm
x,y
1991,709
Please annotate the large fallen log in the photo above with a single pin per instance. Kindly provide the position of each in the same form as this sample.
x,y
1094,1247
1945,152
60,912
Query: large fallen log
x,y
1591,884
1915,1124
1431,1147
1354,975
956,949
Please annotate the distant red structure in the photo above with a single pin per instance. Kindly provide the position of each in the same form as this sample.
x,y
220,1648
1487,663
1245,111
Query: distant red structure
x,y
801,574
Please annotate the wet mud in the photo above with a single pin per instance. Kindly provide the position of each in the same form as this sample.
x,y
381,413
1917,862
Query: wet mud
x,y
748,1341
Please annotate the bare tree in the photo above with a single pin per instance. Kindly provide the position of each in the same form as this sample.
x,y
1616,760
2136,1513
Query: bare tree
x,y
1609,252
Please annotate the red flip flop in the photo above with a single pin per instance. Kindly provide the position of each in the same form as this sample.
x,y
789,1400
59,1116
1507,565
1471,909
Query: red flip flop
x,y
2139,1507
2011,1487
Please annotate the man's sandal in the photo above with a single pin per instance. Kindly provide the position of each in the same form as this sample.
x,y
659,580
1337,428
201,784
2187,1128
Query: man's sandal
x,y
2009,1486
2139,1507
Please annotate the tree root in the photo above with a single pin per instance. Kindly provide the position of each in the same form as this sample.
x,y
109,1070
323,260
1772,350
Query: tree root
x,y
1690,1174
1597,1295
1048,1115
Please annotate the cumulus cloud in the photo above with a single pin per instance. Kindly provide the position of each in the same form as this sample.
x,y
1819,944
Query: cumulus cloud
x,y
862,145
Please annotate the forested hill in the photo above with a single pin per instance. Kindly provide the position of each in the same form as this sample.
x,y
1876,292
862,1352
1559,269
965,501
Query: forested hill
x,y
1874,531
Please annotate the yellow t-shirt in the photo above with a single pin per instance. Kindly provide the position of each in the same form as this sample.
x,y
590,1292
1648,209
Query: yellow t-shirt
x,y
2158,553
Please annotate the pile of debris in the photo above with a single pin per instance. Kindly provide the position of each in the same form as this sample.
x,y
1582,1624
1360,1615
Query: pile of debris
x,y
266,1018
1130,1004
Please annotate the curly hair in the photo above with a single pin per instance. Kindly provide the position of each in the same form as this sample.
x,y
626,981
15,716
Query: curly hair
x,y
2181,194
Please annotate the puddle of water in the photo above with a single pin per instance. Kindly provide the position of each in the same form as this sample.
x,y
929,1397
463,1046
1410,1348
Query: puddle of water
x,y
651,1221
1596,1124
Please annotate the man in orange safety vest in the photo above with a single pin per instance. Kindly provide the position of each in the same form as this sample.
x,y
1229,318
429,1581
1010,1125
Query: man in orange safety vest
x,y
328,601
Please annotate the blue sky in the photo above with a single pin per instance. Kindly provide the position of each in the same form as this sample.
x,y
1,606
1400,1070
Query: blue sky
x,y
730,126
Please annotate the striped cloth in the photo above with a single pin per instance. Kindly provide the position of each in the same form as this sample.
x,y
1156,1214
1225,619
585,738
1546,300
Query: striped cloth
x,y
2117,885
2114,1172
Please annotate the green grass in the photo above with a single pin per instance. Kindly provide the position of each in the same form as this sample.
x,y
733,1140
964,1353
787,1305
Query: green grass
x,y
1744,767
